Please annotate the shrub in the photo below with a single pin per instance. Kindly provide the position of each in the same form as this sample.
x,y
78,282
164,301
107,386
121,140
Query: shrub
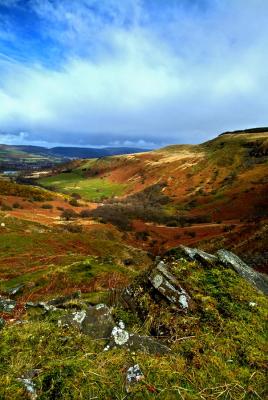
x,y
74,203
73,228
47,206
192,234
76,196
6,207
85,213
16,205
68,214
143,235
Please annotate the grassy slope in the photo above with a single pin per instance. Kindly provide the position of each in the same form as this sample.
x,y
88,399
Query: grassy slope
x,y
208,173
93,189
46,258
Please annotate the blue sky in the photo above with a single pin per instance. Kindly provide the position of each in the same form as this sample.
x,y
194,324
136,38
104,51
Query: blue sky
x,y
132,72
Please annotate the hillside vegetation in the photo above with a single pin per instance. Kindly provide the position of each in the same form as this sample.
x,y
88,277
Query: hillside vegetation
x,y
187,194
100,300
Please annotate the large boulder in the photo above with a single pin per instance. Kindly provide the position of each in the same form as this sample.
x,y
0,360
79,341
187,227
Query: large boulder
x,y
231,260
96,322
164,282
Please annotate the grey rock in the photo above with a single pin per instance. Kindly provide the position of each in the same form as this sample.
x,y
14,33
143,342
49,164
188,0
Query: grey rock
x,y
133,376
96,322
74,319
121,338
229,259
164,282
2,323
27,380
41,304
29,387
16,289
7,305
194,254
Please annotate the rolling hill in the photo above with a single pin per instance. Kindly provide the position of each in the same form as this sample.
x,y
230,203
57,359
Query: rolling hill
x,y
40,155
211,193
84,300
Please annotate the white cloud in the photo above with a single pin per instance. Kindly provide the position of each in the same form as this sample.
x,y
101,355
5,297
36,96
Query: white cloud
x,y
127,78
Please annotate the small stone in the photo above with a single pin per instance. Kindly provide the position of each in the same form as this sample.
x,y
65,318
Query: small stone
x,y
27,381
120,336
252,304
134,376
7,305
15,290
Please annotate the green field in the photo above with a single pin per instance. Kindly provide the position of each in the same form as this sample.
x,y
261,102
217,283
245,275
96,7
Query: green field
x,y
94,189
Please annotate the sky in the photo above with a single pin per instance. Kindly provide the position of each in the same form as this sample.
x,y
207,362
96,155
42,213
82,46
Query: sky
x,y
143,73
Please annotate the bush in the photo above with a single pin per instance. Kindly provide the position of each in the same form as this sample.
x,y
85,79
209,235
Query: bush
x,y
69,214
16,205
76,196
73,228
5,207
192,234
74,203
47,206
85,213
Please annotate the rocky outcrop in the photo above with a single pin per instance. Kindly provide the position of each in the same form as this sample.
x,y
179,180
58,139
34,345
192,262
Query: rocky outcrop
x,y
225,258
229,259
169,287
98,323
193,254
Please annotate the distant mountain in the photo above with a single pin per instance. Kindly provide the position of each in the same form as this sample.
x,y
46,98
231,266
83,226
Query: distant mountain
x,y
78,152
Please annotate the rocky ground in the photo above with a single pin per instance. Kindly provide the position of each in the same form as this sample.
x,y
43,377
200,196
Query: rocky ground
x,y
190,327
